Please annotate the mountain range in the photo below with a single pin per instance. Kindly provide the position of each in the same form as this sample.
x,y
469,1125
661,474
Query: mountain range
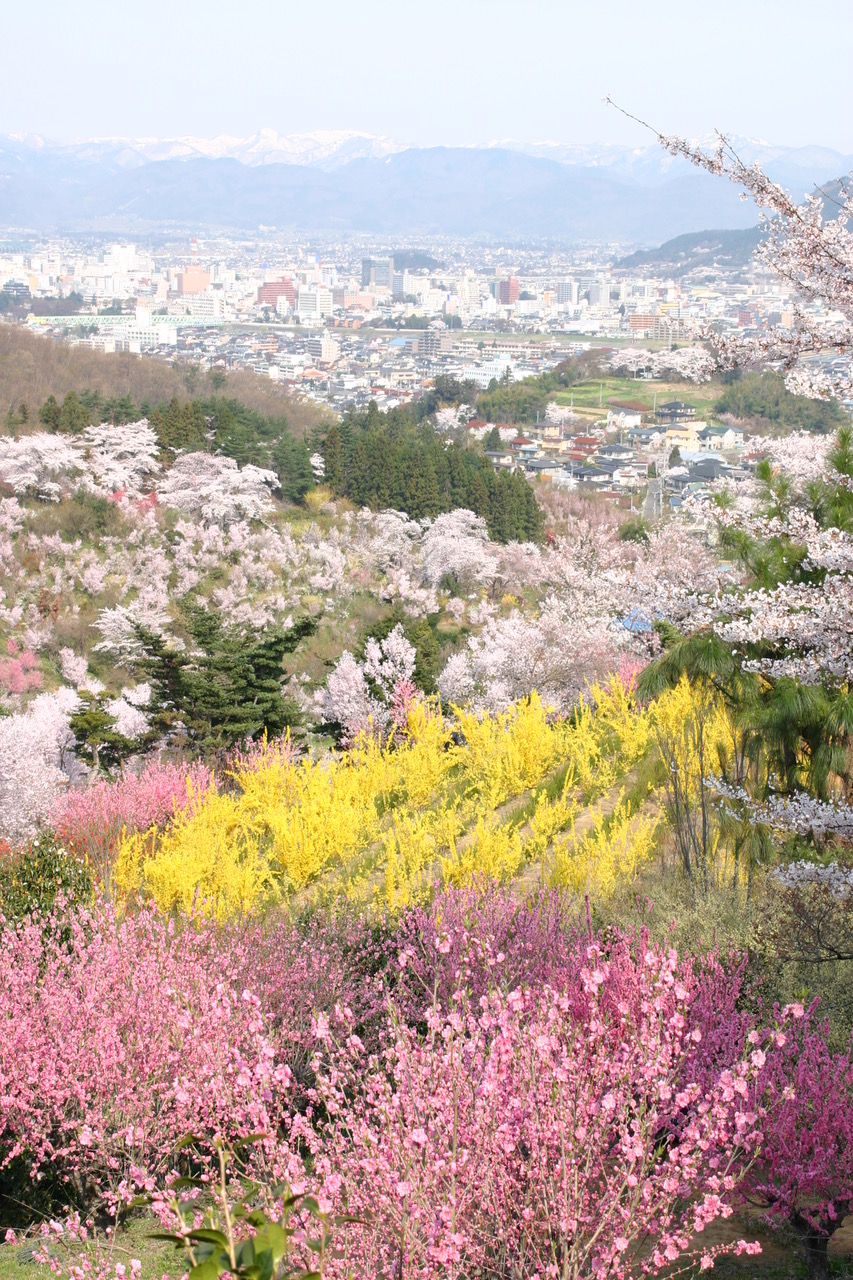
x,y
346,182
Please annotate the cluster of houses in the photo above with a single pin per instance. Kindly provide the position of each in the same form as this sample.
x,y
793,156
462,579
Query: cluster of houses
x,y
619,454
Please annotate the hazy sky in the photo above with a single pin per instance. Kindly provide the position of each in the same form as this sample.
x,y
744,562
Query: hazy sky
x,y
429,71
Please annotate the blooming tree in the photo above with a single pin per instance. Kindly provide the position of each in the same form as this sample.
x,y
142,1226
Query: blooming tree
x,y
808,248
373,695
19,671
122,458
217,489
35,753
36,463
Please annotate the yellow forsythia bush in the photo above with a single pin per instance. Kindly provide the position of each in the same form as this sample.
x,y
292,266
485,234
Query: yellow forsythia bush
x,y
491,850
612,849
391,820
208,860
505,754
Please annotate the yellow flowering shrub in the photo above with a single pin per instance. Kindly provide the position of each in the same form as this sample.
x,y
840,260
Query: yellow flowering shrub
x,y
492,851
618,718
612,849
390,820
209,860
411,849
691,730
505,754
549,818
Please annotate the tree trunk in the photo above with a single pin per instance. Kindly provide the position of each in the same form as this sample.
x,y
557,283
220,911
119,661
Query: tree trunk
x,y
816,1246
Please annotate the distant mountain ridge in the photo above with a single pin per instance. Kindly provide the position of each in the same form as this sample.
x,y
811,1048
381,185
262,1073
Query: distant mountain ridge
x,y
354,182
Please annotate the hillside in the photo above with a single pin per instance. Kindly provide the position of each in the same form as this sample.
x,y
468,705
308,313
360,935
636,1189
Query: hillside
x,y
33,368
730,249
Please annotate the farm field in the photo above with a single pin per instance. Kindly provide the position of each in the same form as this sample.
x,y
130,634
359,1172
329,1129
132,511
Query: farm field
x,y
598,394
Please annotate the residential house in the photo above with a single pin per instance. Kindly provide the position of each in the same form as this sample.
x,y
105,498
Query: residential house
x,y
721,438
682,437
675,411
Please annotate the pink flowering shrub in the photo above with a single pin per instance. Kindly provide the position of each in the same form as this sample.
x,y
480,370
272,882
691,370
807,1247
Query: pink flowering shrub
x,y
479,939
90,820
118,1042
805,1175
491,1088
535,1132
19,671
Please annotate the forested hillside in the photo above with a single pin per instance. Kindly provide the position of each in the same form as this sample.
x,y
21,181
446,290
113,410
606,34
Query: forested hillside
x,y
32,368
387,460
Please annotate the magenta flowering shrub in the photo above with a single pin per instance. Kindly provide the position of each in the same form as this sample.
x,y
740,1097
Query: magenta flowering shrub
x,y
91,819
805,1176
480,938
298,970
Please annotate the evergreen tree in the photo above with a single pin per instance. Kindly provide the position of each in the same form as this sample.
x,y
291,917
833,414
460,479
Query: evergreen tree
x,y
229,688
49,414
334,459
98,742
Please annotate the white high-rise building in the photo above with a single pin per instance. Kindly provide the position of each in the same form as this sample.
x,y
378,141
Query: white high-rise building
x,y
314,300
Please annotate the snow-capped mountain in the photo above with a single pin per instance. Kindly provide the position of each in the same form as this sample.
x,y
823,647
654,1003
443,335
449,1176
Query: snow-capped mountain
x,y
322,149
356,181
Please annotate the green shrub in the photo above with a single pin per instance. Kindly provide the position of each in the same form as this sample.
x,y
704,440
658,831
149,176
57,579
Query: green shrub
x,y
33,878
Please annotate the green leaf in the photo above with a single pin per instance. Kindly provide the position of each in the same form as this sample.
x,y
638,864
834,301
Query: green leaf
x,y
211,1269
274,1238
245,1254
186,1141
210,1236
247,1141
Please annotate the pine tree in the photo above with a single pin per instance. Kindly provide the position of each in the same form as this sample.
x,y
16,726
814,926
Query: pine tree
x,y
229,689
98,742
334,460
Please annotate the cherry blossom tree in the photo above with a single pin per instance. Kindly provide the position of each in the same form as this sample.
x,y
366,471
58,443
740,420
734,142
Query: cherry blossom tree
x,y
36,463
35,756
370,696
122,458
457,545
556,653
217,489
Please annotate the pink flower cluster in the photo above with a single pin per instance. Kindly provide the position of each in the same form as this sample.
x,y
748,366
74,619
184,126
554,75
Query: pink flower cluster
x,y
19,671
116,1043
534,1131
91,819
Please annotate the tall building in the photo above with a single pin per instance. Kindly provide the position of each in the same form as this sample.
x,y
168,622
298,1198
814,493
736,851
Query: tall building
x,y
599,292
326,349
377,273
508,291
434,341
270,292
567,293
314,300
193,280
